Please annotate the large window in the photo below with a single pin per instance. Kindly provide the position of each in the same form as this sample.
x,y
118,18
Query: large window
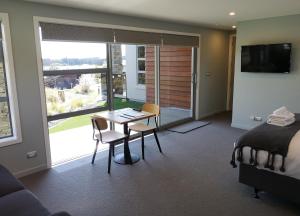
x,y
74,78
141,65
9,119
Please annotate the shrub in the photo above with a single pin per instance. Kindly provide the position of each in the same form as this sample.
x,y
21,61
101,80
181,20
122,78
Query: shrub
x,y
76,104
85,82
51,95
55,108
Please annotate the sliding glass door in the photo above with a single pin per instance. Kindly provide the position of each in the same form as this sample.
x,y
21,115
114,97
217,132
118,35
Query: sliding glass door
x,y
89,69
75,82
175,83
132,76
153,74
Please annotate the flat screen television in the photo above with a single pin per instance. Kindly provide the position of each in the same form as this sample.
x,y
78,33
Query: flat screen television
x,y
271,58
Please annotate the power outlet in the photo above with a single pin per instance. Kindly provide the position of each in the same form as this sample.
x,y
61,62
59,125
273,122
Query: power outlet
x,y
31,154
256,118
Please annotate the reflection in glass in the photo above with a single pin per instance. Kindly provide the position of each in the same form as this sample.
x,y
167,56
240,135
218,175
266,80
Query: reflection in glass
x,y
5,119
5,125
141,78
141,51
141,65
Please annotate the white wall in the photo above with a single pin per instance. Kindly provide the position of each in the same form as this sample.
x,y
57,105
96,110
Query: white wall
x,y
260,94
134,91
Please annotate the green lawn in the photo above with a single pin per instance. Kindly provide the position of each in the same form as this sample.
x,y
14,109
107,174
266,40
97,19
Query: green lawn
x,y
79,121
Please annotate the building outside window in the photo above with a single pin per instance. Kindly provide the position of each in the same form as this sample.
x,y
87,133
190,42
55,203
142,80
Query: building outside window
x,y
9,117
141,60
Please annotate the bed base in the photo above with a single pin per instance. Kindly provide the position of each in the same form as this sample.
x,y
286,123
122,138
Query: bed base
x,y
262,180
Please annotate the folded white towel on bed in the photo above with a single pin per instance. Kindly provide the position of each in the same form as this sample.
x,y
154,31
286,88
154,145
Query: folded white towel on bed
x,y
275,120
284,112
281,117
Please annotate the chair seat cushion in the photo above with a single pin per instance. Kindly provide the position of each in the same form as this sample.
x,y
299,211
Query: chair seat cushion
x,y
140,127
8,183
111,136
21,203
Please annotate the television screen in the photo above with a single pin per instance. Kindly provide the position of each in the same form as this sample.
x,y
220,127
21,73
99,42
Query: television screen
x,y
272,58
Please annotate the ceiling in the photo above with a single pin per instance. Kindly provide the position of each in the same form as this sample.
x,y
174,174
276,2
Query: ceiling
x,y
214,13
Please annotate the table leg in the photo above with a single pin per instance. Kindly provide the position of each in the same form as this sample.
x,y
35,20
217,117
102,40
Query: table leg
x,y
126,157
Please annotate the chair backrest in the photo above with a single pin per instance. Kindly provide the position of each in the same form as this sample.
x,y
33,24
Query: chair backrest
x,y
99,123
151,108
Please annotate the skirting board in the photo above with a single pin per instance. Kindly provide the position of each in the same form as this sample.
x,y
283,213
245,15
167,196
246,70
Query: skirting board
x,y
29,171
206,115
241,126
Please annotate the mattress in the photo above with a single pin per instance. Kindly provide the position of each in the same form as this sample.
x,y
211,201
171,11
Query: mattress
x,y
292,161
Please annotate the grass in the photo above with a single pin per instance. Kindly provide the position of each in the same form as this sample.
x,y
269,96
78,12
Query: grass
x,y
83,120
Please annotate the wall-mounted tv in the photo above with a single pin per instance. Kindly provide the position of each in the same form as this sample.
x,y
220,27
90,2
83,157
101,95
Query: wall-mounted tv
x,y
270,58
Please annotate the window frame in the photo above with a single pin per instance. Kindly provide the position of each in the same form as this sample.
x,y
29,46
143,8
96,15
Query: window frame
x,y
10,84
137,65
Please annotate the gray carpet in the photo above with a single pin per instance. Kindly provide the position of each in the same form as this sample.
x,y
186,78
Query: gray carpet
x,y
192,177
188,127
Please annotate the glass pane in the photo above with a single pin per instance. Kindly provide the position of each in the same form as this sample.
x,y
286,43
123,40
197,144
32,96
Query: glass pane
x,y
5,124
141,51
141,78
141,65
5,119
132,95
73,55
73,92
175,83
150,74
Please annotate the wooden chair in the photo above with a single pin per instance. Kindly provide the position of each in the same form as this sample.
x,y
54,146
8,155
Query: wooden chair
x,y
106,137
143,128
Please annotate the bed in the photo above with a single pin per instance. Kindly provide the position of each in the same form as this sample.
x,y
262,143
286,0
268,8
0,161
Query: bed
x,y
284,184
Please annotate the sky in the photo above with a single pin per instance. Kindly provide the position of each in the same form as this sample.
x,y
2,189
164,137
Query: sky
x,y
58,50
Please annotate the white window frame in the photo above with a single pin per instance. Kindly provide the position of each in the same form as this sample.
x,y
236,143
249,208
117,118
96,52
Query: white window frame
x,y
11,84
137,66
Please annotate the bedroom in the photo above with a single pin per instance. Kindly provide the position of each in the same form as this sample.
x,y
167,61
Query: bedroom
x,y
193,174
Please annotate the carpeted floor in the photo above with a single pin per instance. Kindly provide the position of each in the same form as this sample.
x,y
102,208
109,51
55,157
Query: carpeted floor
x,y
192,177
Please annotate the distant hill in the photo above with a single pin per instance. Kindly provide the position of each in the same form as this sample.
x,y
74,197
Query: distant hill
x,y
73,61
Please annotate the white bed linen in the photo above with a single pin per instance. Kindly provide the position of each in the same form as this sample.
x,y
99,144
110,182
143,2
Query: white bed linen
x,y
292,161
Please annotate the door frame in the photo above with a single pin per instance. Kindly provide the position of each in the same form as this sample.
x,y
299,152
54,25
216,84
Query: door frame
x,y
229,69
38,19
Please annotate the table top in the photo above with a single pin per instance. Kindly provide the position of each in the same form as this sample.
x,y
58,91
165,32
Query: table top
x,y
124,116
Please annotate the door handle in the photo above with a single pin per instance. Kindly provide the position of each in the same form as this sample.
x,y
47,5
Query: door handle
x,y
194,79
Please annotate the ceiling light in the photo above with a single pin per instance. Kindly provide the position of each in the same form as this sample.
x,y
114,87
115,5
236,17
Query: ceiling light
x,y
234,27
231,13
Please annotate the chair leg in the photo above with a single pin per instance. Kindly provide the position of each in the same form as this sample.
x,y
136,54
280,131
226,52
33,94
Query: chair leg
x,y
113,151
143,146
95,152
256,195
109,158
157,141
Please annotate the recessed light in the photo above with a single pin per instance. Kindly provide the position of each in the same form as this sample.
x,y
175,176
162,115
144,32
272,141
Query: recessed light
x,y
234,27
231,13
